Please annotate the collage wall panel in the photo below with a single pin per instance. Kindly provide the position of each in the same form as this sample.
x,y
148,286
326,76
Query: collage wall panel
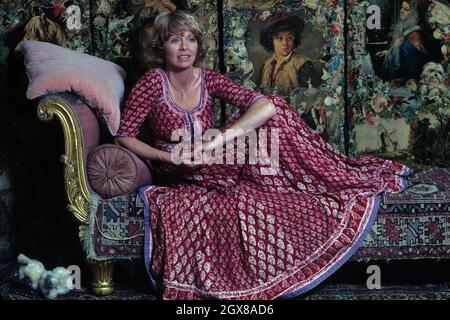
x,y
294,49
399,80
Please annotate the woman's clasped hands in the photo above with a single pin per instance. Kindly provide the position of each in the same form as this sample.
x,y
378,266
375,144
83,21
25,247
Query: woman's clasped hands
x,y
201,153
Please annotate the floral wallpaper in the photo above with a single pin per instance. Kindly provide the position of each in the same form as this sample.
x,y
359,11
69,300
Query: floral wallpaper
x,y
116,25
61,22
320,99
407,119
114,22
13,14
391,115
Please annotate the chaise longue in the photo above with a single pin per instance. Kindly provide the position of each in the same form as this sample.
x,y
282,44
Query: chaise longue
x,y
101,181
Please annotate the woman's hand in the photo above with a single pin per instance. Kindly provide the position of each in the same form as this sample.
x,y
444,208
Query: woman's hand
x,y
203,155
190,166
143,150
191,161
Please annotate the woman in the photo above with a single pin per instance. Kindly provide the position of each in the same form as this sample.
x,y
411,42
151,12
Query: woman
x,y
237,231
406,55
285,70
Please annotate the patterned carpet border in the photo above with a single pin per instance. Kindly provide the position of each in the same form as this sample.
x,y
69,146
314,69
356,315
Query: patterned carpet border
x,y
393,292
13,290
427,186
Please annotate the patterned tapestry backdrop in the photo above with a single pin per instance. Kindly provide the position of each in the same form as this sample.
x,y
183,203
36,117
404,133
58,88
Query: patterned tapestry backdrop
x,y
310,74
399,81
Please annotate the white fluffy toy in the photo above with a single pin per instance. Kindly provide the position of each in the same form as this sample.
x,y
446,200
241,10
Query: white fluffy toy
x,y
30,270
51,283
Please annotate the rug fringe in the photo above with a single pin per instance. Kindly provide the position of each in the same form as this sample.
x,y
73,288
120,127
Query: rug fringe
x,y
87,239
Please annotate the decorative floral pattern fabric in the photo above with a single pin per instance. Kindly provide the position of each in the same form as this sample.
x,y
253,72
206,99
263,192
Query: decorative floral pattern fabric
x,y
229,232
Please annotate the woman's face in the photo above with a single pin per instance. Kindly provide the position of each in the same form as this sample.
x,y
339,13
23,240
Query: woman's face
x,y
283,43
180,50
404,11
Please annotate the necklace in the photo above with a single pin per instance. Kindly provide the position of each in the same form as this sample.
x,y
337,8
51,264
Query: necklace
x,y
183,90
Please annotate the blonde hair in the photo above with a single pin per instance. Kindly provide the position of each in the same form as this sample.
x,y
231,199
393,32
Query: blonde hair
x,y
165,25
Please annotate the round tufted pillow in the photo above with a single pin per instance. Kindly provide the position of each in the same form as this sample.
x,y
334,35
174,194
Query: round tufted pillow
x,y
113,170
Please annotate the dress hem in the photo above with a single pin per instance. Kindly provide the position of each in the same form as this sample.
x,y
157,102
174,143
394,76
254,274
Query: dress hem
x,y
404,183
148,245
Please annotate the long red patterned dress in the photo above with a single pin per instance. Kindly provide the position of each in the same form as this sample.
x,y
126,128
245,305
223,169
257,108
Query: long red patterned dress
x,y
230,232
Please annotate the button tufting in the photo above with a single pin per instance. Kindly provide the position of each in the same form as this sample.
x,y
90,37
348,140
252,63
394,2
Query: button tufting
x,y
110,174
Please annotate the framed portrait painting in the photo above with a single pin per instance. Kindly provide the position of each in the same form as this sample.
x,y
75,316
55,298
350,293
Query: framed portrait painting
x,y
294,49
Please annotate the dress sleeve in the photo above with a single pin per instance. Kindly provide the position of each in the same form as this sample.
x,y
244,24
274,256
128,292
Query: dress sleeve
x,y
138,105
219,86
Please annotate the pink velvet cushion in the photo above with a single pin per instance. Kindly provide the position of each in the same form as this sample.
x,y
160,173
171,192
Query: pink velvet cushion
x,y
113,171
53,69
